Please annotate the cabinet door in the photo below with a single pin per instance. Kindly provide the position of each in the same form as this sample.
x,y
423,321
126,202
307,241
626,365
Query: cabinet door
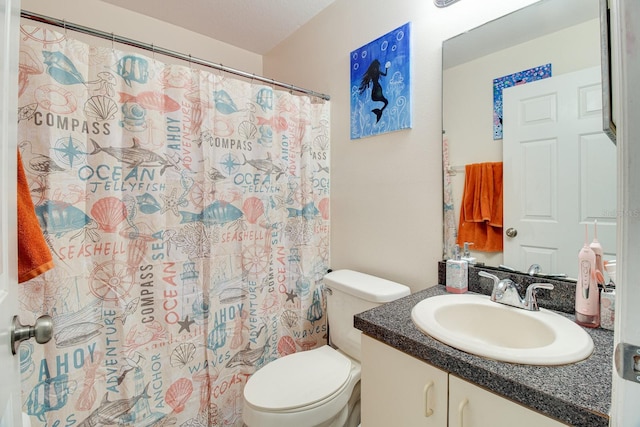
x,y
472,406
400,390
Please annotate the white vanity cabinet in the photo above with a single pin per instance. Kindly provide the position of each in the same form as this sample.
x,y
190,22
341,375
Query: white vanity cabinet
x,y
398,389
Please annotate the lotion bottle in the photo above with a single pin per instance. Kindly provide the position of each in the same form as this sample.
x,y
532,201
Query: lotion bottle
x,y
587,292
457,273
466,254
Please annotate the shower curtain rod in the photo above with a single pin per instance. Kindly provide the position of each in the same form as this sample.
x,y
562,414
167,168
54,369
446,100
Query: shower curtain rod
x,y
124,40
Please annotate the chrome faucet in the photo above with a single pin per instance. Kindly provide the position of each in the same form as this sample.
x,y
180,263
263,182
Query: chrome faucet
x,y
505,291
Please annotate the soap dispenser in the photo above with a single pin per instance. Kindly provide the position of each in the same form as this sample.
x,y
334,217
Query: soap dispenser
x,y
466,255
457,273
587,292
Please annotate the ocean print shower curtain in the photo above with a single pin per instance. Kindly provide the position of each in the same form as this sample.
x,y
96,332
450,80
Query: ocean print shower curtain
x,y
188,215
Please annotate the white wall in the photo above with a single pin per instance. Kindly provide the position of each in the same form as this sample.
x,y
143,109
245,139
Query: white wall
x,y
112,19
386,191
468,96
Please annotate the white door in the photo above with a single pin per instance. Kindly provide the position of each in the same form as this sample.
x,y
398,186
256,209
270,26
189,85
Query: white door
x,y
559,172
625,15
10,402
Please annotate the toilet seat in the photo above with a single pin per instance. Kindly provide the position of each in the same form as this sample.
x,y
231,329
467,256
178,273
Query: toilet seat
x,y
299,380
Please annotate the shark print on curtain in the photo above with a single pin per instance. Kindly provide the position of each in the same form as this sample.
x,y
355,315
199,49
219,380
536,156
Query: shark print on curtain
x,y
188,215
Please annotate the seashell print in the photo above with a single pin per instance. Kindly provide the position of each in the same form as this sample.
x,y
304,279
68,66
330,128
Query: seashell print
x,y
247,130
151,101
253,208
289,318
286,345
217,337
109,212
182,355
323,207
178,394
100,107
321,141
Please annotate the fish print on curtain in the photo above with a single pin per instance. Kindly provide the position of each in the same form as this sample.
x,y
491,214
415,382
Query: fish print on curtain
x,y
188,214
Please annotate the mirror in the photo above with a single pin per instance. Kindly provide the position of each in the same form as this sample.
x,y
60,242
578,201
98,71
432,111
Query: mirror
x,y
565,34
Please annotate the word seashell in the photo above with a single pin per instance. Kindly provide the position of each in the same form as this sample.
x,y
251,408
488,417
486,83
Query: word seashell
x,y
182,355
178,394
286,346
253,208
109,212
100,107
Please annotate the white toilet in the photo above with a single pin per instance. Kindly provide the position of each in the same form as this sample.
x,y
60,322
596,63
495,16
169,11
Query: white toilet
x,y
320,387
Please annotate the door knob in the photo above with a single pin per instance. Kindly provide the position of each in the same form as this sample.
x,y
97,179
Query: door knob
x,y
42,331
511,232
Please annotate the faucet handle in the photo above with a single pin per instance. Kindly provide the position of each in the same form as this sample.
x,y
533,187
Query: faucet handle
x,y
489,276
530,301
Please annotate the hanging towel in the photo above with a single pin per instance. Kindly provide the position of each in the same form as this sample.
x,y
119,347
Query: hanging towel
x,y
481,211
34,256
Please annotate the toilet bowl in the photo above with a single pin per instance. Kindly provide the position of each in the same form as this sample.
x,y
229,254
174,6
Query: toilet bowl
x,y
320,387
311,388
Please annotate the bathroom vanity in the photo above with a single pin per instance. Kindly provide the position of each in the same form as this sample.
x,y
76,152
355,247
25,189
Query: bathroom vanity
x,y
408,376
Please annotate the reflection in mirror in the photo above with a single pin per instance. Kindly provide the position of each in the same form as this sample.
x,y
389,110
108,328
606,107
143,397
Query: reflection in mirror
x,y
558,168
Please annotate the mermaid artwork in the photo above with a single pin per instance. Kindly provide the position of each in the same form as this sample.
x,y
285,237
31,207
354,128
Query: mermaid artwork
x,y
372,76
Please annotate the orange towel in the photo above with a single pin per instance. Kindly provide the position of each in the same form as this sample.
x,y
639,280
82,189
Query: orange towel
x,y
34,256
481,210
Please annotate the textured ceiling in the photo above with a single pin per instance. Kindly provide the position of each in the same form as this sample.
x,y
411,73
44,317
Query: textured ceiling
x,y
253,25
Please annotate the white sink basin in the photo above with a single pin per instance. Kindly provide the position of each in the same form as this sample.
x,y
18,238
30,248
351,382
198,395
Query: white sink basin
x,y
477,325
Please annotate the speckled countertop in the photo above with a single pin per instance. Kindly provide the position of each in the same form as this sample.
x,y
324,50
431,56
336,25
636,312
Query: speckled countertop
x,y
578,394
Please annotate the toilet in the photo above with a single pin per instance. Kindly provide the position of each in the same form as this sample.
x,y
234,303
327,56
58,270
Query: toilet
x,y
320,387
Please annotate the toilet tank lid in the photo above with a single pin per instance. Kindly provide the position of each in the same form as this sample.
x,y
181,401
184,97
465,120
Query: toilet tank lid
x,y
365,286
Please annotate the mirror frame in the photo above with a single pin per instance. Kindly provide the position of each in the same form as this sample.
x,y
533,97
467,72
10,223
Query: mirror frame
x,y
608,119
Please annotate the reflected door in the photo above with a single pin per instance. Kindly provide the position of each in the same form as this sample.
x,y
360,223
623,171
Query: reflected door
x,y
10,401
559,172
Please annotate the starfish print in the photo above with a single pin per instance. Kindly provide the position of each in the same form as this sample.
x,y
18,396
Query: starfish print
x,y
185,324
171,203
291,296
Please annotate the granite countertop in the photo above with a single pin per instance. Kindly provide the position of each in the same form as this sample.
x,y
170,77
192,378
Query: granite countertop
x,y
578,394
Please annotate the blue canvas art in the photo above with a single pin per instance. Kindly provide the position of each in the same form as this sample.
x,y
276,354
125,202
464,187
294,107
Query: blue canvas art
x,y
519,78
381,85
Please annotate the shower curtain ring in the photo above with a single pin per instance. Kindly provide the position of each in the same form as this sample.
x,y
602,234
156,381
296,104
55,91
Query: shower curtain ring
x,y
153,53
64,26
113,41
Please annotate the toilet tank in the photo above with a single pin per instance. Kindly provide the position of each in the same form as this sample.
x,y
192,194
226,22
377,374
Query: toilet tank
x,y
351,293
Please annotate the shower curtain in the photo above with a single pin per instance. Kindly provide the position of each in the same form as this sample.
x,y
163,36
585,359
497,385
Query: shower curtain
x,y
188,215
